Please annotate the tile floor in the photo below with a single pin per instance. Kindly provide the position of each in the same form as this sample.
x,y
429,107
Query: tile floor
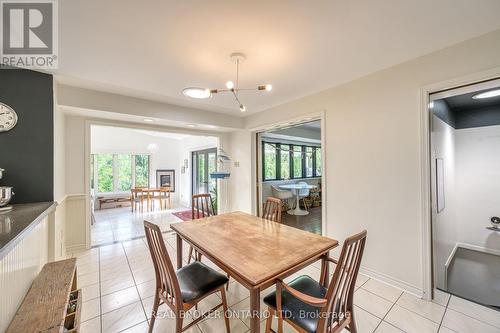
x,y
120,224
117,282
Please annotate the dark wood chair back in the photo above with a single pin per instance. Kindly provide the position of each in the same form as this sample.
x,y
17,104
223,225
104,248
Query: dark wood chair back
x,y
272,210
202,206
339,308
166,280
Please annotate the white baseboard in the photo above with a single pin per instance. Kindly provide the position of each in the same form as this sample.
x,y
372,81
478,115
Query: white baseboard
x,y
391,281
394,282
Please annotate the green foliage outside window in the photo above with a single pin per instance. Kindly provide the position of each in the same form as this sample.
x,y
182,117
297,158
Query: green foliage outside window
x,y
105,167
283,161
318,161
297,162
104,173
124,172
142,170
269,161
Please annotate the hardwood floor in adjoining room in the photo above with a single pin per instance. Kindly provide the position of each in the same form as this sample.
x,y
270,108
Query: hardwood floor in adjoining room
x,y
310,222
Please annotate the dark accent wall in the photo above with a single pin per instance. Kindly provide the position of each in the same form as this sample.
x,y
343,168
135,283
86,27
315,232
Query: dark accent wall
x,y
27,151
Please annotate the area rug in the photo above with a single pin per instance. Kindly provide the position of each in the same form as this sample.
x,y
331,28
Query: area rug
x,y
184,215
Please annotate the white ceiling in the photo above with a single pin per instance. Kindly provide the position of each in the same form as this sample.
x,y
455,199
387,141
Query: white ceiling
x,y
153,49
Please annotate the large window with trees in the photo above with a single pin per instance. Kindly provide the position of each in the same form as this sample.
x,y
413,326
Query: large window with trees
x,y
282,161
119,172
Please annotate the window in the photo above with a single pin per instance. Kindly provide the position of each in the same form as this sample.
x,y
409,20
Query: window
x,y
104,173
119,172
283,161
269,161
124,172
317,158
141,170
308,158
297,162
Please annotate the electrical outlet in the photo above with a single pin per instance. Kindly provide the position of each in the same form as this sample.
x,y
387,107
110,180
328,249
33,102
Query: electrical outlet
x,y
236,164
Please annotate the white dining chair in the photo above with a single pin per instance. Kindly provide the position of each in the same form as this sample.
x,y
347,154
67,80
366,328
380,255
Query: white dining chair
x,y
303,193
283,195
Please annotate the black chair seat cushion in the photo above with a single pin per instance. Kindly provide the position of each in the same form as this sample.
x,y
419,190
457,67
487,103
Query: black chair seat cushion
x,y
197,279
302,314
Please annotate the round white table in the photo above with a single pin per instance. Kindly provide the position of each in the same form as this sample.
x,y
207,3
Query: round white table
x,y
295,188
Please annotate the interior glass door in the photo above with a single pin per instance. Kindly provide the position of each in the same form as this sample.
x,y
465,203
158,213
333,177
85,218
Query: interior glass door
x,y
204,163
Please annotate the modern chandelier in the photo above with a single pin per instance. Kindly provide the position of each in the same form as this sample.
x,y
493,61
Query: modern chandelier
x,y
231,87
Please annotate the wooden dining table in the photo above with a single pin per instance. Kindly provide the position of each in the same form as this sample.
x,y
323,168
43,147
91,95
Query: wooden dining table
x,y
253,251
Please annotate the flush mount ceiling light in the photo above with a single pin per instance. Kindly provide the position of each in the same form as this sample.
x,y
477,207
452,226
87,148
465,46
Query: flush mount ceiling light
x,y
194,92
231,87
487,94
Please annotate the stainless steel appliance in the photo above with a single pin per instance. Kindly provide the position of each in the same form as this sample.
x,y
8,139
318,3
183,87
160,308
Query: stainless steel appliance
x,y
6,194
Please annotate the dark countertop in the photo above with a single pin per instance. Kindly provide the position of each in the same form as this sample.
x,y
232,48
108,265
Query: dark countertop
x,y
18,223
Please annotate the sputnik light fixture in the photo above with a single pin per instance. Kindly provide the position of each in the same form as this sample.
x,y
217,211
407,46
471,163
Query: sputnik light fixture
x,y
231,87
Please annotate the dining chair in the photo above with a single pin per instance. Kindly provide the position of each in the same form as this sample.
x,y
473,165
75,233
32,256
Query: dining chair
x,y
303,194
284,195
310,307
201,206
166,194
136,198
163,197
183,289
272,209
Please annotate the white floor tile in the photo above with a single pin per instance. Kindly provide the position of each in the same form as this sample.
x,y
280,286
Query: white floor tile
x,y
91,326
91,309
463,324
441,297
365,322
424,308
123,318
383,290
372,303
409,321
385,327
119,299
90,292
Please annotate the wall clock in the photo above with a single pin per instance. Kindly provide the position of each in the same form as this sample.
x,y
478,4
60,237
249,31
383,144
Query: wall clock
x,y
8,118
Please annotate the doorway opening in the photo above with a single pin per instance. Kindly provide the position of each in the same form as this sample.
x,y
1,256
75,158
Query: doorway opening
x,y
465,182
137,174
290,168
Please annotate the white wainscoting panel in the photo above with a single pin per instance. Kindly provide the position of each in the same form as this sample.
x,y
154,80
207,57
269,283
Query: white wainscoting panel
x,y
19,268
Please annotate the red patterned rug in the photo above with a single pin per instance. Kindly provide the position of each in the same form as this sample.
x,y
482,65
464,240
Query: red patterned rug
x,y
184,215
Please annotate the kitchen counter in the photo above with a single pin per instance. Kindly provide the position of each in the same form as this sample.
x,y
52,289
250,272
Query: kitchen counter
x,y
18,222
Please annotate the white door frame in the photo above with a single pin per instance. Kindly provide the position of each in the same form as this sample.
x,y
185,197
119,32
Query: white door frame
x,y
425,159
257,172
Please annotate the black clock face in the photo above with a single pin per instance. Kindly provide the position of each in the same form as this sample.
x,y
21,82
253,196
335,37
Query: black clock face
x,y
8,118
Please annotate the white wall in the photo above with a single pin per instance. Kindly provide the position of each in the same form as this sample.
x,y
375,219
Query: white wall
x,y
374,162
241,189
444,224
478,185
106,139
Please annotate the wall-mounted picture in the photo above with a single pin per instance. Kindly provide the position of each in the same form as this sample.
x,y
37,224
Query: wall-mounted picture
x,y
165,178
440,184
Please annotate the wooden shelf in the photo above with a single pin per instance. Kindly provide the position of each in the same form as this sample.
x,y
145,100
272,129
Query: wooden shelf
x,y
53,303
